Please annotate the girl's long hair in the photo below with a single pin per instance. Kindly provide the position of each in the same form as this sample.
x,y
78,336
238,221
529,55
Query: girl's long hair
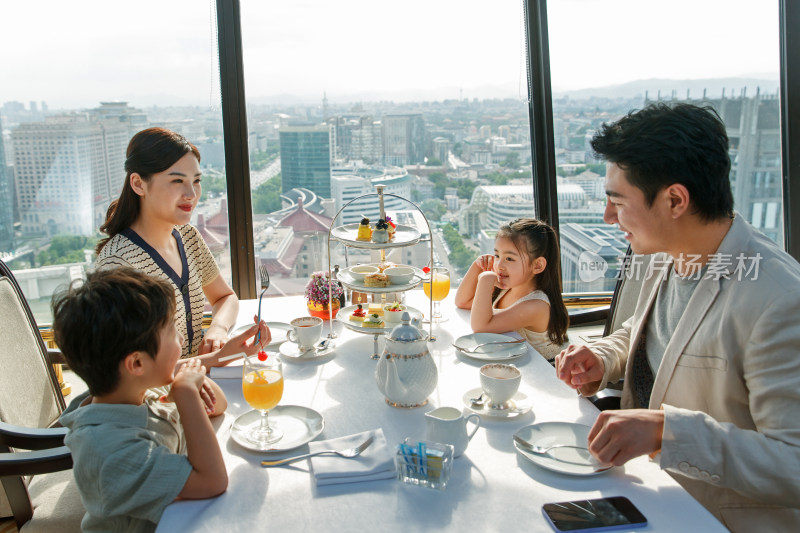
x,y
149,152
534,238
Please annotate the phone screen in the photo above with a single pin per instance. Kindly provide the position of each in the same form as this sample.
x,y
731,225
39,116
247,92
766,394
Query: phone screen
x,y
602,514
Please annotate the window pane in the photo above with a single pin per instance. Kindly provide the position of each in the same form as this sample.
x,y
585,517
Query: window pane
x,y
72,97
429,100
708,53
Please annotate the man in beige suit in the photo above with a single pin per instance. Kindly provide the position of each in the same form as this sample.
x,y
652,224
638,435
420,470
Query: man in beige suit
x,y
711,355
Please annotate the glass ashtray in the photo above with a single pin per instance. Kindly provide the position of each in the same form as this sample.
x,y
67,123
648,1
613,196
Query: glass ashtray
x,y
424,463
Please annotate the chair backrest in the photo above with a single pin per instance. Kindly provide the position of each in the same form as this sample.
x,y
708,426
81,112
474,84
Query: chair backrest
x,y
30,395
626,293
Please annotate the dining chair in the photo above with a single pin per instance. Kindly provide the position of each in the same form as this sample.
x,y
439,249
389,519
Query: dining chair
x,y
38,488
623,303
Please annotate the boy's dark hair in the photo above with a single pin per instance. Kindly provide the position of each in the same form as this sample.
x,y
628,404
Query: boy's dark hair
x,y
661,145
115,312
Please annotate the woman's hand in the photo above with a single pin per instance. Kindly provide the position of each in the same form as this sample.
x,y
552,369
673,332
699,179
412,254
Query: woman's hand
x,y
215,338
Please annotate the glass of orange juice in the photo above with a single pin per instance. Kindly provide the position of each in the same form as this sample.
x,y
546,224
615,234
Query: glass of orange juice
x,y
262,385
440,278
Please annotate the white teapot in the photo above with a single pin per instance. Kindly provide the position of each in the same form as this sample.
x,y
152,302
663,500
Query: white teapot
x,y
406,373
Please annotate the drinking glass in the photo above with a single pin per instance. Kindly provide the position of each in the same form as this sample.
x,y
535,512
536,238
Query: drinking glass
x,y
262,385
440,278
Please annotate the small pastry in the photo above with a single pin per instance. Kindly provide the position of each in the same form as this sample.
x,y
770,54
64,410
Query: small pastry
x,y
375,309
376,280
372,321
384,265
392,227
359,314
381,232
364,231
393,312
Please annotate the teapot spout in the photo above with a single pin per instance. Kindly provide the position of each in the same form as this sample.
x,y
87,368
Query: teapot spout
x,y
394,385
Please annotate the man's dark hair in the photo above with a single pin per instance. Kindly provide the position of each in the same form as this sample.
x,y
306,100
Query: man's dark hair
x,y
115,312
661,145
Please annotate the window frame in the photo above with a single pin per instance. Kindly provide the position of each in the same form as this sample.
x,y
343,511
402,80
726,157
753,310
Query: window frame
x,y
234,118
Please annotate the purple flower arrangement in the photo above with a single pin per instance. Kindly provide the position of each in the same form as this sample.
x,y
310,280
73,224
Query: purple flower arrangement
x,y
317,288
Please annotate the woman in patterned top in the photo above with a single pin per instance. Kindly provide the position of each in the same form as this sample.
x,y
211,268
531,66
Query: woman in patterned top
x,y
148,229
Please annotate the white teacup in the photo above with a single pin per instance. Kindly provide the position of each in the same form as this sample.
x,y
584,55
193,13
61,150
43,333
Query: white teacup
x,y
500,382
305,332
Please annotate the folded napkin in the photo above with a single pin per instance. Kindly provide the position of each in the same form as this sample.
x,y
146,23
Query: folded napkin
x,y
376,462
232,370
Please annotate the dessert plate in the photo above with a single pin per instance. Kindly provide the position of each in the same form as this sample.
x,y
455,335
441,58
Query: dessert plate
x,y
403,236
278,330
571,461
343,316
351,283
300,425
517,406
490,353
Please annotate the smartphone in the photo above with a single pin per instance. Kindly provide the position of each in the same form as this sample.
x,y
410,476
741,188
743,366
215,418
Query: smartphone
x,y
602,514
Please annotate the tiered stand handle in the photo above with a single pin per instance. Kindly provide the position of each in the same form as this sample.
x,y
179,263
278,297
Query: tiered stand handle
x,y
380,195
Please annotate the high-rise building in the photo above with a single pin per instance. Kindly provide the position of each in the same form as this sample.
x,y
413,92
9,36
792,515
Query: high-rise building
x,y
67,170
306,158
403,139
6,202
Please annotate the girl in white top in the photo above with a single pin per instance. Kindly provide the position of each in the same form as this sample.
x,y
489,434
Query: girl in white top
x,y
519,287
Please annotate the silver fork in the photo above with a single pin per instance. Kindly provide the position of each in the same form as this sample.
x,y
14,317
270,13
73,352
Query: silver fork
x,y
264,275
349,453
545,450
481,345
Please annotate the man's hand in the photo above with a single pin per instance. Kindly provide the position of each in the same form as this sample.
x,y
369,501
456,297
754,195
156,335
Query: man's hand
x,y
619,436
578,366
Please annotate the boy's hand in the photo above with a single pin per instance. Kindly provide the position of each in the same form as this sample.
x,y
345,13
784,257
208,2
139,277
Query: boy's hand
x,y
191,376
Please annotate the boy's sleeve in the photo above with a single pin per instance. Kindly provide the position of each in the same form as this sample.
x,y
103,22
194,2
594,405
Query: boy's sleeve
x,y
141,478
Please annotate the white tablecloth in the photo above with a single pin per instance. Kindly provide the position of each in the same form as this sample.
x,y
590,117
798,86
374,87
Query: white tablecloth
x,y
492,488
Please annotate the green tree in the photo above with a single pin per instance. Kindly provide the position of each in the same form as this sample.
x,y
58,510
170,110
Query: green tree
x,y
267,196
433,209
213,184
433,162
597,168
65,249
511,160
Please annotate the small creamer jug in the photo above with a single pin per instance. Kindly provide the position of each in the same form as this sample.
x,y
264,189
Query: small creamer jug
x,y
448,426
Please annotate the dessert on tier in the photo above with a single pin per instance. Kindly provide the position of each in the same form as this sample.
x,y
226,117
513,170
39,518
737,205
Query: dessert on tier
x,y
364,231
393,312
359,314
373,321
392,227
376,280
381,232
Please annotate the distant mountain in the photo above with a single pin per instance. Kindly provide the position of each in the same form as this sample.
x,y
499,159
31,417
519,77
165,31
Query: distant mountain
x,y
712,86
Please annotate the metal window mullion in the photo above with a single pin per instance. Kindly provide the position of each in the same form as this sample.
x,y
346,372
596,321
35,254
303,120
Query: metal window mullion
x,y
790,121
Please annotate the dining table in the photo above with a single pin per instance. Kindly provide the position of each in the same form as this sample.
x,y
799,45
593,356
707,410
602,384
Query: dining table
x,y
492,486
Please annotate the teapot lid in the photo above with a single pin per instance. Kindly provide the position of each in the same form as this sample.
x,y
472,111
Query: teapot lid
x,y
406,332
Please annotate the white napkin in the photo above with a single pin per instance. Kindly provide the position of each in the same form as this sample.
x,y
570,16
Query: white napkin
x,y
231,370
376,462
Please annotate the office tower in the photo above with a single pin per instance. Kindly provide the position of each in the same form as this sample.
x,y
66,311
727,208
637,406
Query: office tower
x,y
306,158
67,170
6,202
356,138
403,139
348,183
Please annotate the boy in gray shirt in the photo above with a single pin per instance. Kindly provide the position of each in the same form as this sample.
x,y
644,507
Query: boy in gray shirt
x,y
134,450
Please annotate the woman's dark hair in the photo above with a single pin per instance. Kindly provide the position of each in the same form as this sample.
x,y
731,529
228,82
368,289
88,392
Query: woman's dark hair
x,y
149,152
534,238
661,145
100,321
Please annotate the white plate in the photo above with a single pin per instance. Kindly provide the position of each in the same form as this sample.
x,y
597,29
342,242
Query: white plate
x,y
492,353
351,283
403,236
343,316
518,405
300,425
574,462
278,330
291,352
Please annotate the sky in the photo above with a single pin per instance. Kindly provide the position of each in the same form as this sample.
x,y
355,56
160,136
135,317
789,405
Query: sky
x,y
164,51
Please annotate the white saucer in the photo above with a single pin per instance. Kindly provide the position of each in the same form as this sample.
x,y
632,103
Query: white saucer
x,y
492,353
278,330
517,406
575,462
299,425
291,351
